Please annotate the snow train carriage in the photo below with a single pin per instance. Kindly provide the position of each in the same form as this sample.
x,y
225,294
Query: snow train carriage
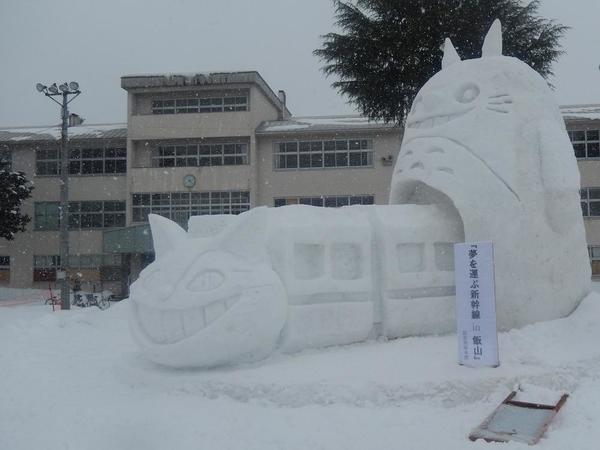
x,y
346,274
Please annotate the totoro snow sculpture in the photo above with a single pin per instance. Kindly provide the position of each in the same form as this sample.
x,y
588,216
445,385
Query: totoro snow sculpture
x,y
485,156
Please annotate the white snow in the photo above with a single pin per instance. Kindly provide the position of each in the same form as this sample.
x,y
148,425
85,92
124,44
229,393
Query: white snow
x,y
580,112
322,122
75,380
486,137
54,132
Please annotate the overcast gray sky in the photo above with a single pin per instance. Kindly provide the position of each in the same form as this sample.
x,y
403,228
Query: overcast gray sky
x,y
97,41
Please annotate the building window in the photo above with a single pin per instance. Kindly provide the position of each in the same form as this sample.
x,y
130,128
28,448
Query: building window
x,y
83,161
590,202
228,154
4,269
323,154
45,266
96,214
86,161
82,215
47,161
46,216
330,201
594,252
96,267
179,206
5,159
586,143
200,105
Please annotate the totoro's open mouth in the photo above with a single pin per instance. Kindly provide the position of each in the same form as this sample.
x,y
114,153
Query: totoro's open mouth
x,y
168,326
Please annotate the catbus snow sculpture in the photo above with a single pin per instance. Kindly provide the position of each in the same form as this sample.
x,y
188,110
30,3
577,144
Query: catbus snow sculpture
x,y
485,156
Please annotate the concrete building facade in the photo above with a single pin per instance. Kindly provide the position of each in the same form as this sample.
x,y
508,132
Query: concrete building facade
x,y
218,143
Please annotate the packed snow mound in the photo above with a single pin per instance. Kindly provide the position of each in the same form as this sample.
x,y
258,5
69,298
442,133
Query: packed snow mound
x,y
82,365
485,157
486,136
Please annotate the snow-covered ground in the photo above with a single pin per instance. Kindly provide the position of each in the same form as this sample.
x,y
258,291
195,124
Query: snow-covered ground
x,y
75,380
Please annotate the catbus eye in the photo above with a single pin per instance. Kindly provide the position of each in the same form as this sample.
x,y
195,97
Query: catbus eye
x,y
206,280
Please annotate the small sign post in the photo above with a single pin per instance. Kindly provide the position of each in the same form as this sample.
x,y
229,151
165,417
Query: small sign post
x,y
476,304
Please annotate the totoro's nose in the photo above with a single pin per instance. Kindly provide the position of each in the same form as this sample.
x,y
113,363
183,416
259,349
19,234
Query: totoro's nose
x,y
432,101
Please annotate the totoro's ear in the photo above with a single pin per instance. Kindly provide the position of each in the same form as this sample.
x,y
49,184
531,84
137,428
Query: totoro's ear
x,y
450,54
492,44
165,234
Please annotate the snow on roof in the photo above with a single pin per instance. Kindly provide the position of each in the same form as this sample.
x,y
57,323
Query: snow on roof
x,y
52,133
581,112
323,123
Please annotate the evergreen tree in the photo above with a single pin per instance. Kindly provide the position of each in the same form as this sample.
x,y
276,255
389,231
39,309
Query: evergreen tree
x,y
388,49
14,188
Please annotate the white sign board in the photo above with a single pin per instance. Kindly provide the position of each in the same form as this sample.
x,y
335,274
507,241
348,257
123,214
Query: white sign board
x,y
476,304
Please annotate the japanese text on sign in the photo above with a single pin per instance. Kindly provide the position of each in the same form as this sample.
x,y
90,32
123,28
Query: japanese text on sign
x,y
476,304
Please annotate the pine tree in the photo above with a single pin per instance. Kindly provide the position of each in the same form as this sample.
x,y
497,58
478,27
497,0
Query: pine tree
x,y
14,188
389,48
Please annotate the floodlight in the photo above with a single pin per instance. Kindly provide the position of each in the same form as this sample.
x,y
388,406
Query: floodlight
x,y
74,85
53,89
63,87
40,87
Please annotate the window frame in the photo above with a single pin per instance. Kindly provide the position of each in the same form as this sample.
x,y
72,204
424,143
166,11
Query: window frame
x,y
205,104
585,143
180,206
201,154
323,200
323,154
106,156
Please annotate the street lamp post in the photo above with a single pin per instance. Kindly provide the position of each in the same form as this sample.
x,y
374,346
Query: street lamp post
x,y
64,91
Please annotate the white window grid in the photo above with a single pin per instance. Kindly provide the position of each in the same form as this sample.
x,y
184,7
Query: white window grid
x,y
200,105
590,201
329,201
83,161
46,261
94,261
323,154
194,155
180,206
586,143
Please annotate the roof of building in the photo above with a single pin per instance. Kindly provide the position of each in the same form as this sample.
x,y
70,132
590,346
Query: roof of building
x,y
581,112
323,123
53,133
292,125
145,81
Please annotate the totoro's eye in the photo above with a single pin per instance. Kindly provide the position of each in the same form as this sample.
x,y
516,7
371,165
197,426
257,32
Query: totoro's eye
x,y
467,93
206,280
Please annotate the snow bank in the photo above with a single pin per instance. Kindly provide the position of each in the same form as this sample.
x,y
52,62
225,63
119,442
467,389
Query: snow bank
x,y
76,380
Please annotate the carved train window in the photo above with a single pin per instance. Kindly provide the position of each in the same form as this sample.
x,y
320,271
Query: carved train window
x,y
309,261
411,257
346,261
444,256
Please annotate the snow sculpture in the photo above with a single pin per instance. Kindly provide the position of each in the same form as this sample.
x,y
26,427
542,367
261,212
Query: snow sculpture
x,y
485,156
485,136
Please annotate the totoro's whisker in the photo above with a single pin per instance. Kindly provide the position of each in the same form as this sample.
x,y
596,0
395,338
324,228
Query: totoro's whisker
x,y
498,110
499,96
504,102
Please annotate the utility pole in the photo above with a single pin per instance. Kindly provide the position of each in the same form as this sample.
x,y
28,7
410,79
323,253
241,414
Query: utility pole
x,y
53,91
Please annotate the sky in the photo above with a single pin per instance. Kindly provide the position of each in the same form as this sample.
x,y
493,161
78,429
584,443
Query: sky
x,y
95,42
